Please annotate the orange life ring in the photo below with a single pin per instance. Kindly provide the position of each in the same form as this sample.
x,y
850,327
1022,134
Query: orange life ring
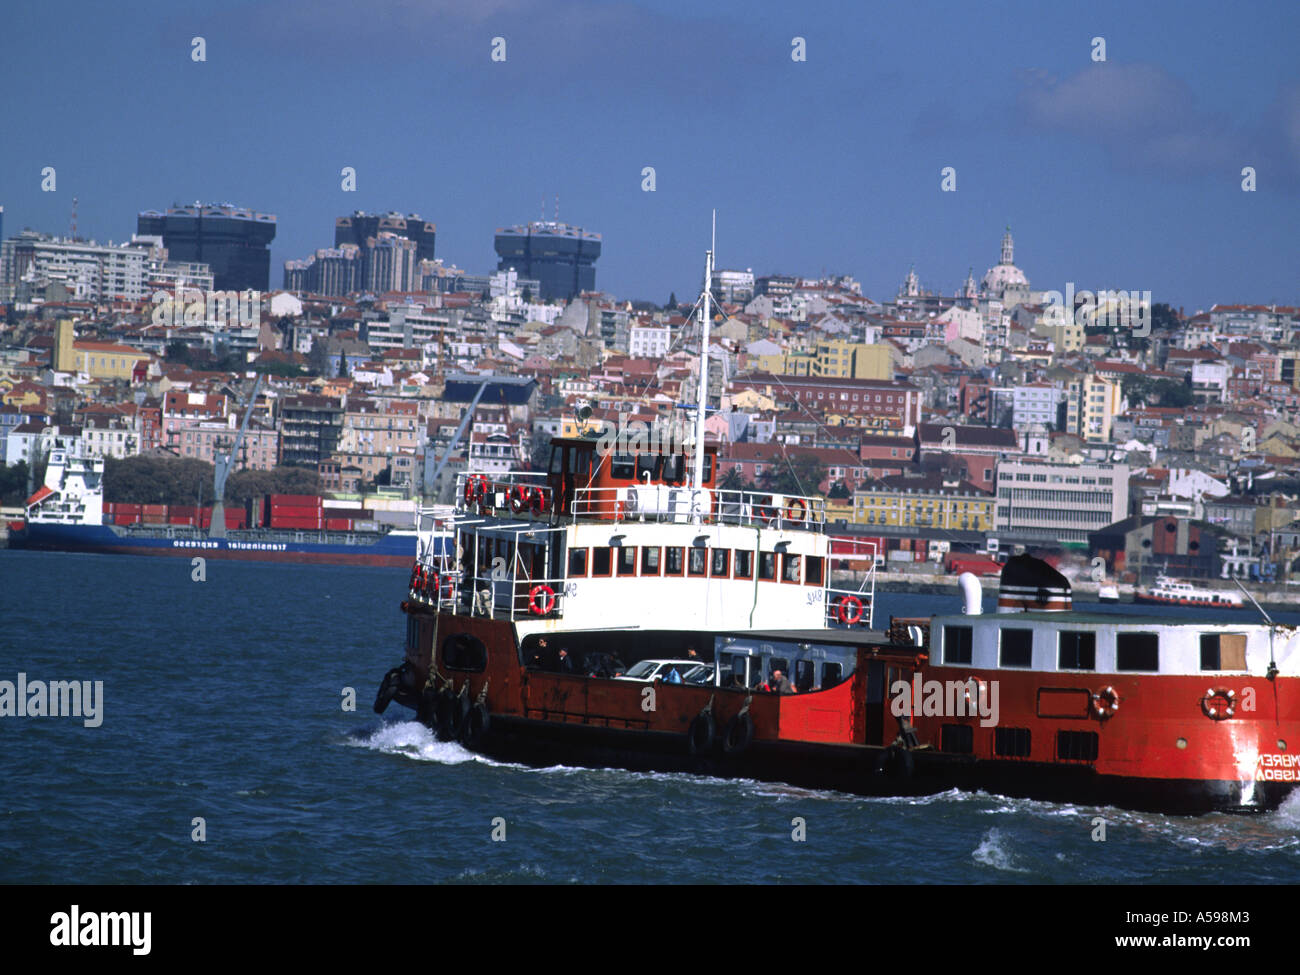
x,y
537,501
475,488
1105,702
790,509
547,602
842,612
431,586
519,498
1219,712
415,576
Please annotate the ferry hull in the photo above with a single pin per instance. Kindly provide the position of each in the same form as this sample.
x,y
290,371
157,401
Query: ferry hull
x,y
101,539
543,718
1150,600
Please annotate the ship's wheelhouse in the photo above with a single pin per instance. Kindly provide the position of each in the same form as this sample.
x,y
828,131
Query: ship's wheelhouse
x,y
589,482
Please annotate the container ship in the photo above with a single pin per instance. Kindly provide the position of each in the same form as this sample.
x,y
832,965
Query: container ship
x,y
68,514
621,611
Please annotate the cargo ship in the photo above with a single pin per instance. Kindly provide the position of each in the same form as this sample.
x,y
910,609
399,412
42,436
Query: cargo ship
x,y
68,514
619,610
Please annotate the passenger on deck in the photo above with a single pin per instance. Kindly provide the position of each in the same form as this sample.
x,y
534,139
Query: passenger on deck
x,y
778,684
565,665
538,660
673,677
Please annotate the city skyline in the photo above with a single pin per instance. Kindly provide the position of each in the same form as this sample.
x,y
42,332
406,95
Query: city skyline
x,y
1120,174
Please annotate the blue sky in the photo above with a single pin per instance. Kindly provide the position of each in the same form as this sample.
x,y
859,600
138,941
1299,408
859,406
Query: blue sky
x,y
1124,174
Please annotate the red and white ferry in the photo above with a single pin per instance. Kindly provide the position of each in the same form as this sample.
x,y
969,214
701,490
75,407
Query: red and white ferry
x,y
558,583
1169,591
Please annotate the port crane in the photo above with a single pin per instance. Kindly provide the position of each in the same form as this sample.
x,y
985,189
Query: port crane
x,y
222,466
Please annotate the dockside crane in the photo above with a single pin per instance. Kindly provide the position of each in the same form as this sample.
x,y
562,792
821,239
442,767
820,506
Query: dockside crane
x,y
222,467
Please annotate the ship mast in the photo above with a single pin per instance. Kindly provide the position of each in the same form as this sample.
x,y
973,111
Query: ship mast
x,y
697,480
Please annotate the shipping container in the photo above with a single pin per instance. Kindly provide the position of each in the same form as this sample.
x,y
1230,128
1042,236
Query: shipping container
x,y
310,500
338,524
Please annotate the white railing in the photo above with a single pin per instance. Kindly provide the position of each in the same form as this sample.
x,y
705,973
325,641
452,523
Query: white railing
x,y
684,505
851,607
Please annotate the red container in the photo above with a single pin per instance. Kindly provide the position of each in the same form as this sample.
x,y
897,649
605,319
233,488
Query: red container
x,y
175,519
295,500
120,519
154,509
127,509
338,524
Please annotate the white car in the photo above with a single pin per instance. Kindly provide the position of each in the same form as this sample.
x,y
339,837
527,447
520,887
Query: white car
x,y
690,671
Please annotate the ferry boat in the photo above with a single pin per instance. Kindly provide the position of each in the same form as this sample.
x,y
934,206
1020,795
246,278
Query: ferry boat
x,y
1169,591
521,633
66,514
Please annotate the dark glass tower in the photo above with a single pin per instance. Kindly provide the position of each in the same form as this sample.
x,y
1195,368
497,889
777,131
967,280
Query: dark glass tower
x,y
236,242
356,228
561,257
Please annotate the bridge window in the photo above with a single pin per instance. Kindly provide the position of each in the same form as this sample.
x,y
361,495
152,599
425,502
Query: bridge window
x,y
744,564
699,561
577,561
767,566
1137,651
647,465
804,675
1223,651
649,560
832,674
720,563
957,643
791,567
600,560
674,469
1017,648
674,560
1077,650
627,560
815,574
622,466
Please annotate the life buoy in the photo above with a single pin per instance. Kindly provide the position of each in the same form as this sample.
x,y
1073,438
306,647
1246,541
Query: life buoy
x,y
699,737
796,505
475,488
545,604
981,694
763,511
431,586
1105,702
518,498
415,576
537,501
849,610
1219,703
739,734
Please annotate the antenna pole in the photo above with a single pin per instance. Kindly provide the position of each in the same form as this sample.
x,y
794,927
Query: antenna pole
x,y
705,320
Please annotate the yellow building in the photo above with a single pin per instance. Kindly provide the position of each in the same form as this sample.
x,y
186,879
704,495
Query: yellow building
x,y
99,360
1091,408
853,360
924,502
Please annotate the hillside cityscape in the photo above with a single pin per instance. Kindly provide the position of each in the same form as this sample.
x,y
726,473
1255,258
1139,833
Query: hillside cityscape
x,y
1072,419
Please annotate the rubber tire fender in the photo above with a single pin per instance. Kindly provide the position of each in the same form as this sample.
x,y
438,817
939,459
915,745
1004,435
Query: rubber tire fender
x,y
700,735
739,734
475,726
387,689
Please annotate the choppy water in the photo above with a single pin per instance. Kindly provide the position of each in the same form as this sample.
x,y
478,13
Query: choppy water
x,y
222,701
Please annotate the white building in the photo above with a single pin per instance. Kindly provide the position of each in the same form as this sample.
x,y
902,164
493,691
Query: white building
x,y
648,340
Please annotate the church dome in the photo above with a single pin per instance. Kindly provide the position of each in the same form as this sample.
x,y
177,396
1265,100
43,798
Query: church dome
x,y
1005,274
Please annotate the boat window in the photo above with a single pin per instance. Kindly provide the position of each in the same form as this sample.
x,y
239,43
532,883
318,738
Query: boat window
x,y
579,461
674,560
648,465
767,566
1011,742
577,561
627,560
622,466
734,671
1076,746
805,675
958,738
557,461
461,651
832,674
600,560
674,469
744,564
699,561
708,469
1223,651
790,567
649,560
957,643
1137,651
720,562
1077,650
1017,648
815,574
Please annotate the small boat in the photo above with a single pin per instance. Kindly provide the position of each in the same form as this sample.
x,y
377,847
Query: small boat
x,y
1107,592
1169,591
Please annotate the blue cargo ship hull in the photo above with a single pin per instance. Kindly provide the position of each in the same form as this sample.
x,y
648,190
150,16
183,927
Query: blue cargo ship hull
x,y
258,545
